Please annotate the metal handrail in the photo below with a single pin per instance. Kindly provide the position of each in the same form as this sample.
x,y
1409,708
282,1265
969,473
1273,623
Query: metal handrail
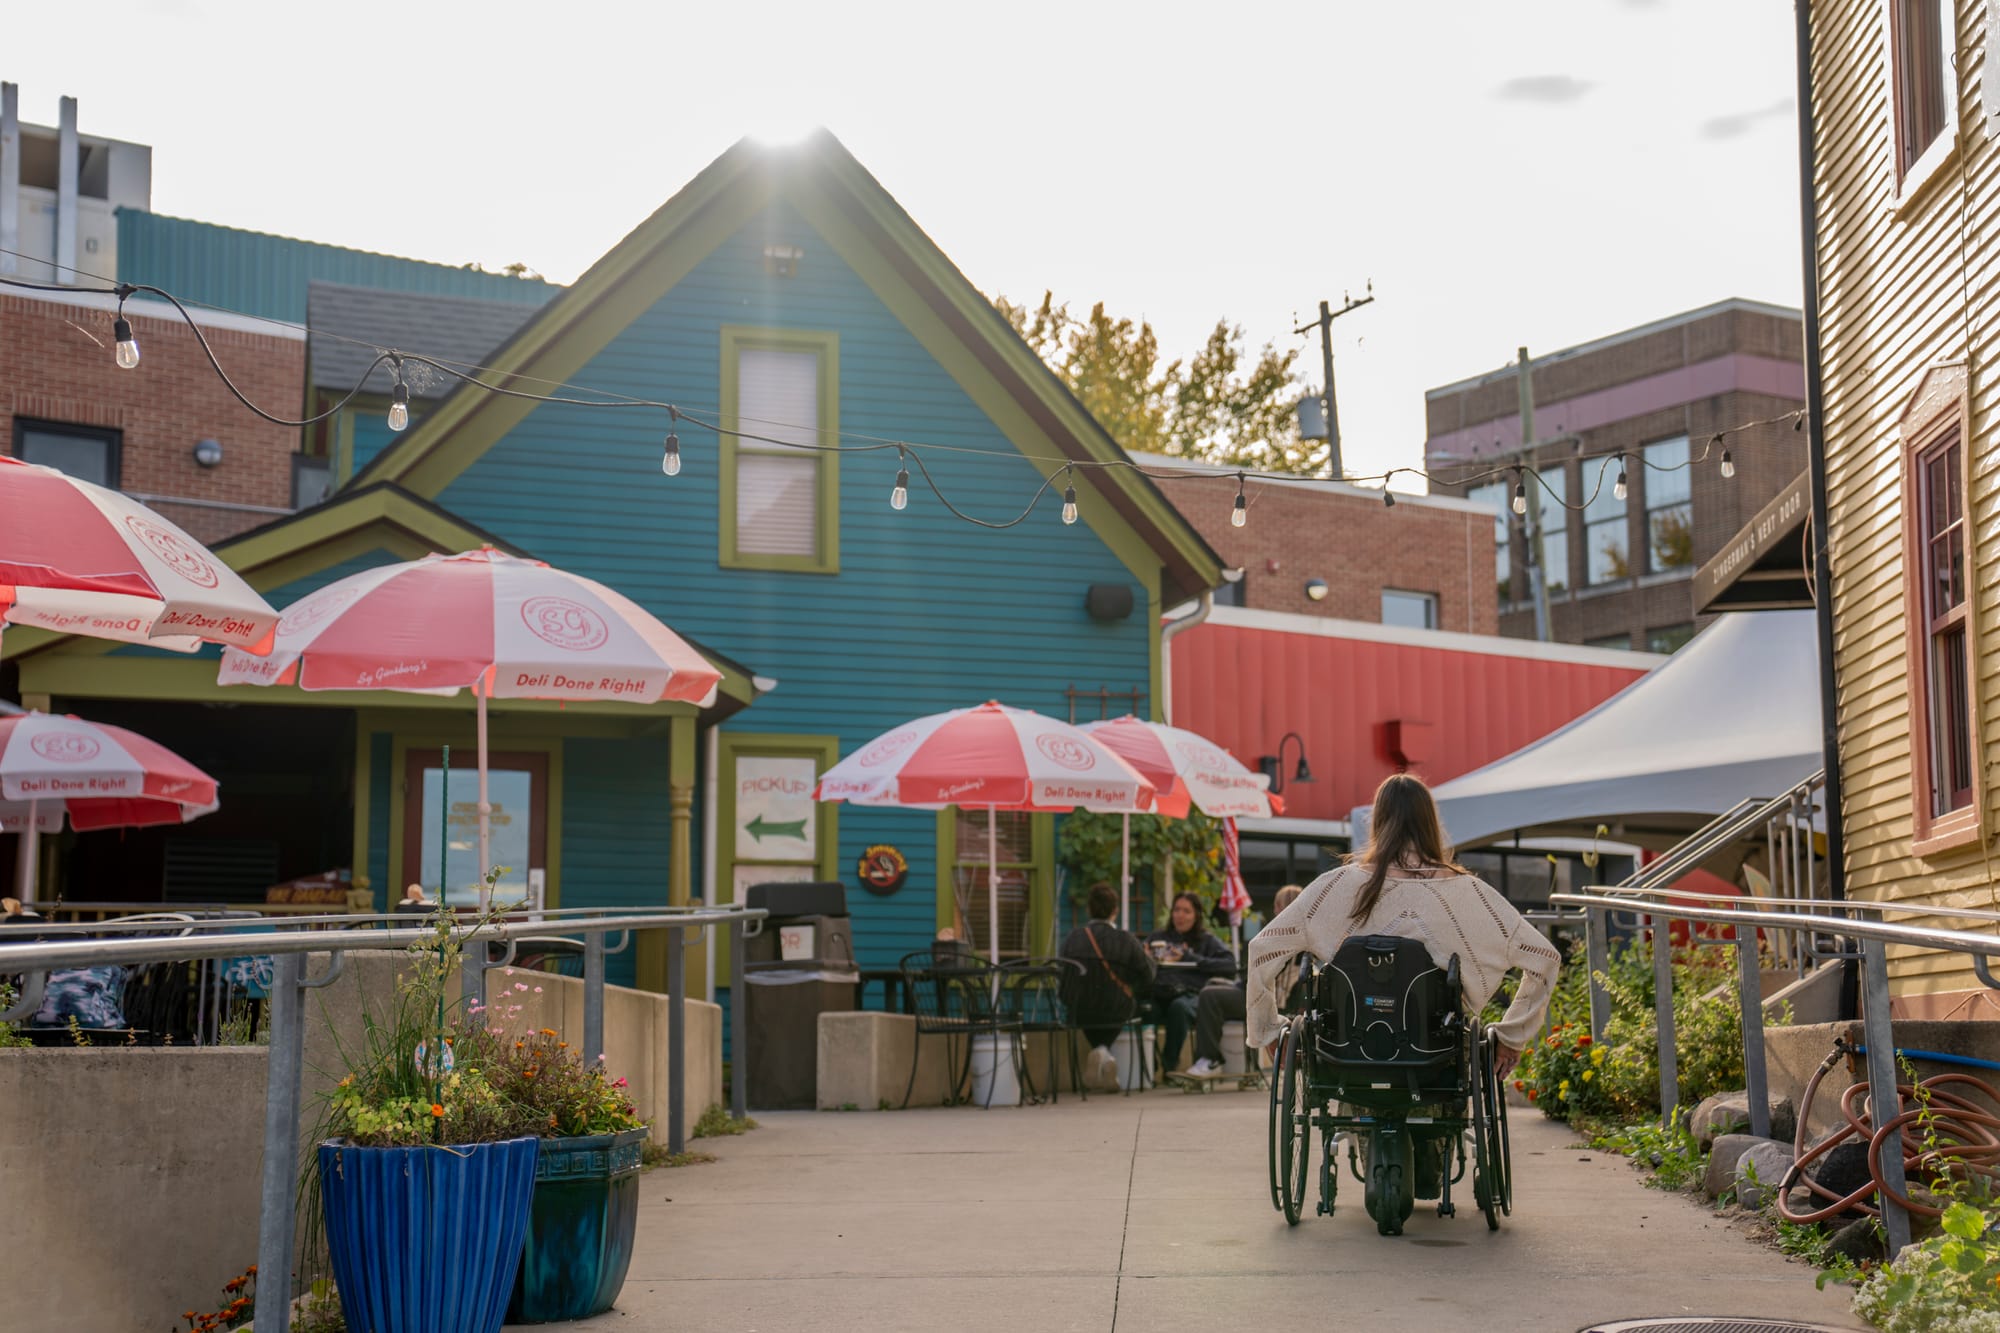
x,y
1873,938
284,1083
338,920
1725,828
1837,904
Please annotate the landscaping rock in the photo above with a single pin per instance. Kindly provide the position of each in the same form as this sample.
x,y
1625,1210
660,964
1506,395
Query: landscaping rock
x,y
1843,1171
1858,1242
1729,1113
1759,1171
1723,1155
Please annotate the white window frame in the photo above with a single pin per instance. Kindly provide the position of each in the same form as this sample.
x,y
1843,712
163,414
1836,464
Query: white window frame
x,y
1910,179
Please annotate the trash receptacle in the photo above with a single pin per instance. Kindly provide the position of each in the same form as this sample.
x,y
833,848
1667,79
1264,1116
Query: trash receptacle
x,y
799,967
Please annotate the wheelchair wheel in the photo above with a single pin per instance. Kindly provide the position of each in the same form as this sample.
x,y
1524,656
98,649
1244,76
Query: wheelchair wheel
x,y
1277,1124
1489,1184
1295,1132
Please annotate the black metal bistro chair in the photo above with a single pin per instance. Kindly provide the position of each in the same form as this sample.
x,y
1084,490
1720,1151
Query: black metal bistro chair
x,y
1031,999
957,996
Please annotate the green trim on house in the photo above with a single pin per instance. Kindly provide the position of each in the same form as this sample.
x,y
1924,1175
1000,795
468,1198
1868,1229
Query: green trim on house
x,y
1041,876
826,494
732,745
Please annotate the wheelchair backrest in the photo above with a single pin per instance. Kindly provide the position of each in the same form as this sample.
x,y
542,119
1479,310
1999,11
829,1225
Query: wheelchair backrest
x,y
1382,1000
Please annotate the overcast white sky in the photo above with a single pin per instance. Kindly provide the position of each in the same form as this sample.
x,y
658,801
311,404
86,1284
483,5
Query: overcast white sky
x,y
1536,173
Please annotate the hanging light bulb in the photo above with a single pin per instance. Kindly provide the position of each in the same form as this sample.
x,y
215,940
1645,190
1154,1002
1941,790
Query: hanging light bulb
x,y
1520,497
1239,515
1728,465
399,403
899,497
1618,488
670,461
1069,503
128,346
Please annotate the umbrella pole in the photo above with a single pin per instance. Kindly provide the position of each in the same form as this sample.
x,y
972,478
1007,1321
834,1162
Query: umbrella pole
x,y
28,860
1125,874
485,806
993,883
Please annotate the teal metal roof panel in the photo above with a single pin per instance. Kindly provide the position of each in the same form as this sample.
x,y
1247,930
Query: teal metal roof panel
x,y
259,274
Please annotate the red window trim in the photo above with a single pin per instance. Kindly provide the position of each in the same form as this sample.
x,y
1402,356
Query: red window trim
x,y
1936,417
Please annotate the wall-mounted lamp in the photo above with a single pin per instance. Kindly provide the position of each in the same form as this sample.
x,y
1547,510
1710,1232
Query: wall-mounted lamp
x,y
208,453
1273,765
782,261
1316,589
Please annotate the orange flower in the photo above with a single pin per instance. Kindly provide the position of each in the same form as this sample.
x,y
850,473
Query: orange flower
x,y
234,1284
251,1271
437,1111
548,1032
528,1072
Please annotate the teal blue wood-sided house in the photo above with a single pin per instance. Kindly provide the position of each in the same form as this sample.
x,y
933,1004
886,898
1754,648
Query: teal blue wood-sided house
x,y
781,294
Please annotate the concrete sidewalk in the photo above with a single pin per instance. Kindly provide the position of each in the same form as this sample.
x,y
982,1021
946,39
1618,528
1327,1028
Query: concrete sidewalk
x,y
1153,1212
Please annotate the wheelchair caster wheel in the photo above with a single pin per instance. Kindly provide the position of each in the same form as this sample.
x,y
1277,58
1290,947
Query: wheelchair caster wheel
x,y
1447,1210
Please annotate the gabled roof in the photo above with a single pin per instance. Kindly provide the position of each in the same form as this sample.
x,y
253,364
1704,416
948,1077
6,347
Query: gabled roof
x,y
906,270
343,321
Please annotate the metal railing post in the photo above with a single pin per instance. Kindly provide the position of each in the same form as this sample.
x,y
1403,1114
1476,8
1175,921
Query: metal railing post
x,y
275,1212
739,1064
1751,1001
472,972
1663,1011
1885,1102
1597,957
593,996
676,1041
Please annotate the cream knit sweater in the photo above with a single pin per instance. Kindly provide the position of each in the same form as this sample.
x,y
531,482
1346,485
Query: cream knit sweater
x,y
1460,914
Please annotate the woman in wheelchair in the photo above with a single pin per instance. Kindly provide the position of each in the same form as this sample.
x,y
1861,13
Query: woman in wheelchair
x,y
1367,991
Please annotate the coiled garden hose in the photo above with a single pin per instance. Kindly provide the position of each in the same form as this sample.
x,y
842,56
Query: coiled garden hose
x,y
1966,1138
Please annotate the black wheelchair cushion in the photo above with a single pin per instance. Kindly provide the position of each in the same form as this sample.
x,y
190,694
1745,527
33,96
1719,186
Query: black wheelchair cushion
x,y
1383,1001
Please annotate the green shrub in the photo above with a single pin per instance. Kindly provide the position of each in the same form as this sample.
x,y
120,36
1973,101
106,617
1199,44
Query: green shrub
x,y
1946,1284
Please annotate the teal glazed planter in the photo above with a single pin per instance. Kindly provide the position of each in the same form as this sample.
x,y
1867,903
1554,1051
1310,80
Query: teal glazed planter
x,y
426,1240
580,1227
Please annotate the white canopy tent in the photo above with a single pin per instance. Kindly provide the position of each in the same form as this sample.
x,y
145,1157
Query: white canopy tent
x,y
1734,714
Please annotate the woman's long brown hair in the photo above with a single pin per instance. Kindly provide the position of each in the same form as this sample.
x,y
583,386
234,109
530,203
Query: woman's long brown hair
x,y
1403,832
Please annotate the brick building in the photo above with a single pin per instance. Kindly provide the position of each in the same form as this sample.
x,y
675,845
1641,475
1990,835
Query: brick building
x,y
167,431
1648,401
1321,548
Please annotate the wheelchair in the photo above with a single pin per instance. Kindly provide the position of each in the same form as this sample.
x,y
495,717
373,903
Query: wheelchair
x,y
1378,1052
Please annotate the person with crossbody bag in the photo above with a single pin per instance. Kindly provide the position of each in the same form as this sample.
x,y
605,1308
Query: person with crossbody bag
x,y
1104,995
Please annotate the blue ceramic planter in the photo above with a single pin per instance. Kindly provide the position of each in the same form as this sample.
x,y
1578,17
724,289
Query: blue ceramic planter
x,y
426,1240
580,1228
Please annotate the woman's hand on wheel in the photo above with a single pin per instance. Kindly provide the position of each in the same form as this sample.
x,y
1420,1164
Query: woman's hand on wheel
x,y
1505,1057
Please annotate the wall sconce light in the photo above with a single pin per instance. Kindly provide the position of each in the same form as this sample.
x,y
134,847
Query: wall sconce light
x,y
1273,765
208,453
782,261
1316,589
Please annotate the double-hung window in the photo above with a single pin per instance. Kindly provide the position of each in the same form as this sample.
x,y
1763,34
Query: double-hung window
x,y
88,453
1669,505
780,487
1944,763
1498,495
1554,541
1923,86
1606,529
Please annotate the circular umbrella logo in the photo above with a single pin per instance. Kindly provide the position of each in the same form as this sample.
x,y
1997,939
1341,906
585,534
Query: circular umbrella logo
x,y
179,554
1201,756
317,610
1071,754
65,747
886,748
566,624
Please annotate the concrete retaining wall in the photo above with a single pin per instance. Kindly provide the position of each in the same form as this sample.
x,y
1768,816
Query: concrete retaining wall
x,y
129,1182
1792,1054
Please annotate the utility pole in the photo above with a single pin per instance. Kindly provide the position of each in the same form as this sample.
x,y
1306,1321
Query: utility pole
x,y
1325,326
1538,583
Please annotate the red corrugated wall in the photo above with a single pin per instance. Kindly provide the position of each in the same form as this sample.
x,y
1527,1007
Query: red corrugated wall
x,y
1245,688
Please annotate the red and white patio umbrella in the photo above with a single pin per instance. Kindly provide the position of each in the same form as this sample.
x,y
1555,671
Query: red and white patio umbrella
x,y
994,758
1188,770
98,776
81,559
482,620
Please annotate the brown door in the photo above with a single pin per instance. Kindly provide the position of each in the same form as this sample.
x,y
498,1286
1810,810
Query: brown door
x,y
517,786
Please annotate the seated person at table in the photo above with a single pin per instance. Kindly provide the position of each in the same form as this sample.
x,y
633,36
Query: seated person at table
x,y
1188,957
1222,1002
1117,971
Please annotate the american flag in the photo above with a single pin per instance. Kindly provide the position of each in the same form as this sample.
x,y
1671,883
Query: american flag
x,y
1235,897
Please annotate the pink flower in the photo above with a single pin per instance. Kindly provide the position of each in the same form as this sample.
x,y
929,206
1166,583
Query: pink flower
x,y
520,985
538,990
617,1082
